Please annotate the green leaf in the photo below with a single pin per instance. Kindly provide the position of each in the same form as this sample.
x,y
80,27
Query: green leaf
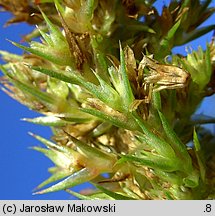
x,y
113,73
55,177
118,119
109,95
94,196
171,33
47,121
46,37
156,100
54,121
192,180
89,8
43,96
194,35
171,177
208,63
126,93
76,178
47,152
72,78
101,129
92,152
177,145
61,160
56,35
104,92
185,3
199,156
115,196
160,145
80,196
63,149
100,57
155,162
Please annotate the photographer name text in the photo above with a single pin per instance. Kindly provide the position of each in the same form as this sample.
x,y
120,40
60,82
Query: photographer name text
x,y
78,208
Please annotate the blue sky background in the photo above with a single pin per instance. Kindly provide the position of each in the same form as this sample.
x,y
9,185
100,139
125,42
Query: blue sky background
x,y
22,169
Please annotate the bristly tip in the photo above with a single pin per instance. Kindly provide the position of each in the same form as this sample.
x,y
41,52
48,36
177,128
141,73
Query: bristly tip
x,y
39,192
31,147
14,43
32,134
120,46
35,193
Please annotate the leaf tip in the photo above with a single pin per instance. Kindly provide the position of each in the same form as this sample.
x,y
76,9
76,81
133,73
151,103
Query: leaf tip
x,y
32,134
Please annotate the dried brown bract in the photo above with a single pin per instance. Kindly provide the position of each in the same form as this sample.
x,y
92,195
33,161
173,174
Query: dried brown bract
x,y
164,76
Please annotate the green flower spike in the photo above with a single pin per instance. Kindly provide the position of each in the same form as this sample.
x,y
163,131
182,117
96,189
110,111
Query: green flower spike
x,y
74,163
54,46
